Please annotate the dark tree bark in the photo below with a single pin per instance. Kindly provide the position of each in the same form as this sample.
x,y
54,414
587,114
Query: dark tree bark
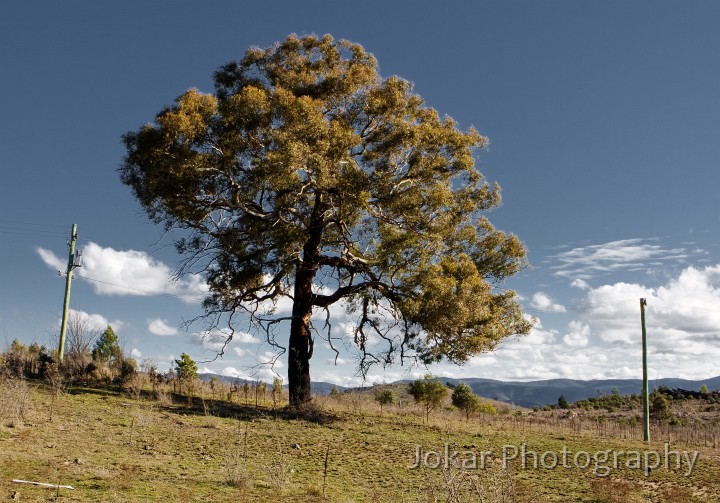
x,y
300,340
300,349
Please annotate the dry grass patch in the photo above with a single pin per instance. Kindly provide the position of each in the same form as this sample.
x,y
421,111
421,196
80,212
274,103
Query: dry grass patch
x,y
15,402
135,449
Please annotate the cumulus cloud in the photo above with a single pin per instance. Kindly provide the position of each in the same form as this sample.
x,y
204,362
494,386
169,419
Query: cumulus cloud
x,y
240,352
682,319
161,327
135,353
93,322
598,337
129,272
578,336
544,302
602,337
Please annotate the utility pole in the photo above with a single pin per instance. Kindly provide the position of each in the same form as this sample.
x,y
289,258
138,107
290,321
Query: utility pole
x,y
72,264
646,404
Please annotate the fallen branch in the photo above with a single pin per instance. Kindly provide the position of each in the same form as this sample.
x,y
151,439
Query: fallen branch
x,y
43,484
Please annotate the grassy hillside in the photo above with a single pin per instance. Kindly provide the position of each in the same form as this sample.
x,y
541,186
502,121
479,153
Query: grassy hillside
x,y
151,445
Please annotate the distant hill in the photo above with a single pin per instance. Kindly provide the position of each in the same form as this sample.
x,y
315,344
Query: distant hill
x,y
537,393
540,393
318,387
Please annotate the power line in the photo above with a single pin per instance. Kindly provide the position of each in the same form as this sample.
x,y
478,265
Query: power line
x,y
17,222
145,292
30,232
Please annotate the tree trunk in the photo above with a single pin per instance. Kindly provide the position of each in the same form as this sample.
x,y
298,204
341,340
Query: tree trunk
x,y
299,357
300,337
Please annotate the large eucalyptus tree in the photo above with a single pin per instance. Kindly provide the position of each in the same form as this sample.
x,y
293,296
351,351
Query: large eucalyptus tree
x,y
308,176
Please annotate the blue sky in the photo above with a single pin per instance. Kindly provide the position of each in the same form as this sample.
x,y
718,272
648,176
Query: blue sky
x,y
603,120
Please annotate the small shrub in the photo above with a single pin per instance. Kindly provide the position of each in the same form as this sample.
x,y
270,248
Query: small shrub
x,y
675,421
335,392
15,400
385,396
278,471
236,472
488,408
127,369
659,406
563,403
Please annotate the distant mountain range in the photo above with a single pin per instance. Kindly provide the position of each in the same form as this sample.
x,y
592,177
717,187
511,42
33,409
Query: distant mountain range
x,y
540,393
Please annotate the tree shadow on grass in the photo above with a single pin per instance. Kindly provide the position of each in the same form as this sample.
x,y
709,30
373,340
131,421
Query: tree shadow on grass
x,y
177,403
222,408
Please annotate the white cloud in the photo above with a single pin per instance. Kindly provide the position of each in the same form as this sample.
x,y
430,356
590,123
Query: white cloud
x,y
578,336
581,284
240,352
94,322
629,254
161,327
135,353
544,302
245,338
217,339
270,360
229,371
263,374
51,259
682,320
601,338
129,272
214,340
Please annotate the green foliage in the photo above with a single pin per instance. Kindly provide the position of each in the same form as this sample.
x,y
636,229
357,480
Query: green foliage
x,y
660,409
611,402
562,402
127,369
277,389
277,386
185,368
107,348
335,392
25,361
304,165
487,408
704,389
464,399
429,391
384,396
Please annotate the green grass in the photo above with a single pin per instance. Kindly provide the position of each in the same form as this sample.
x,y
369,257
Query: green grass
x,y
114,447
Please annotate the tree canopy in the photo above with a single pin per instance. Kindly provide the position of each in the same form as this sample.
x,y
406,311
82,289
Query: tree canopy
x,y
185,368
308,176
429,391
107,347
465,399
